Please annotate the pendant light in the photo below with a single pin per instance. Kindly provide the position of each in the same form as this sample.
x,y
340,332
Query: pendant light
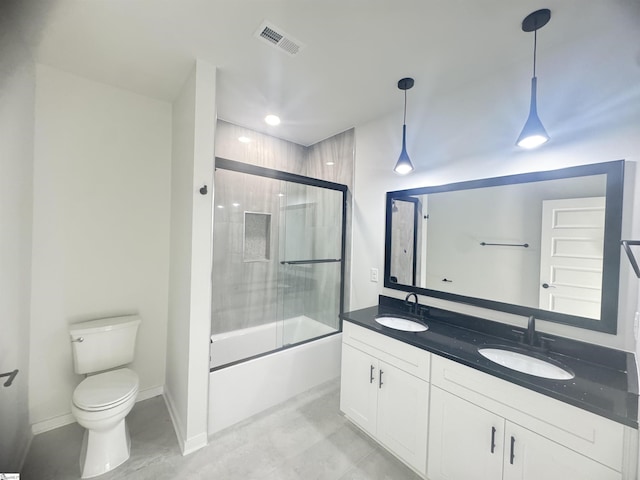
x,y
404,165
533,133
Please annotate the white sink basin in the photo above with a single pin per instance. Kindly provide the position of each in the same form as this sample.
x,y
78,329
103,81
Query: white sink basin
x,y
525,363
399,323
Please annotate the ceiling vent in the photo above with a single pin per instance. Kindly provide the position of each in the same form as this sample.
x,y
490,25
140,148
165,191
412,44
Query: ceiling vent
x,y
276,37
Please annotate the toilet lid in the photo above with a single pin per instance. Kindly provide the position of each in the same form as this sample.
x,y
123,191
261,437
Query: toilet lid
x,y
101,391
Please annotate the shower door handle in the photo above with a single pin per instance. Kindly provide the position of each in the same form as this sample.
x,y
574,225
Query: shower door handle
x,y
371,379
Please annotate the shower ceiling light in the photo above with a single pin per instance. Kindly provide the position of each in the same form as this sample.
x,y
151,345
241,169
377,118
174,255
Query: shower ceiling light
x,y
272,120
533,133
404,165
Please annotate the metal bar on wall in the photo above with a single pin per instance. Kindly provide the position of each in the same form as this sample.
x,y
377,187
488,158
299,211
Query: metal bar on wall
x,y
627,248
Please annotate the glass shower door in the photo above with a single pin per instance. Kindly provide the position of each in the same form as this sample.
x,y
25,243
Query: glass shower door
x,y
311,264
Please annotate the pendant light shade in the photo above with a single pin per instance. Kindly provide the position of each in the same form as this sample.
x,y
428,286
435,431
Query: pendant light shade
x,y
404,165
533,133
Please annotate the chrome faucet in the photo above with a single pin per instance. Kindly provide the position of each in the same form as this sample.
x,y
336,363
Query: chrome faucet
x,y
413,309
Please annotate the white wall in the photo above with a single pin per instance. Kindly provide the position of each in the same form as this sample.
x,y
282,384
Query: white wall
x,y
100,229
176,386
17,90
189,327
588,98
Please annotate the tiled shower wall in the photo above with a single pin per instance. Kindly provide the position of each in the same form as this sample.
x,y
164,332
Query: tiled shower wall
x,y
245,293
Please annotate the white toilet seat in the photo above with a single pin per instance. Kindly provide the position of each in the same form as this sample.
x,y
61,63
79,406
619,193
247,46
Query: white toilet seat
x,y
106,390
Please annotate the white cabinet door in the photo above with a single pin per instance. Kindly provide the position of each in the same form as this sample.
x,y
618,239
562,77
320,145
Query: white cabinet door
x,y
359,387
403,408
465,441
529,456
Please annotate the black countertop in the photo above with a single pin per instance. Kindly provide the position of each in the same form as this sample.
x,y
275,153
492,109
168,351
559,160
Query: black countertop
x,y
605,382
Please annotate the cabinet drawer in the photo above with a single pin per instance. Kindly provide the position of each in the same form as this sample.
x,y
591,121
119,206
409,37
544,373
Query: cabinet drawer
x,y
584,432
411,359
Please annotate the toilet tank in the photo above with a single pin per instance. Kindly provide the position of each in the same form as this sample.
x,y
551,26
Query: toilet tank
x,y
103,343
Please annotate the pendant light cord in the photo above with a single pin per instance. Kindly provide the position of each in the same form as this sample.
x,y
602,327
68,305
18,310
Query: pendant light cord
x,y
535,47
404,119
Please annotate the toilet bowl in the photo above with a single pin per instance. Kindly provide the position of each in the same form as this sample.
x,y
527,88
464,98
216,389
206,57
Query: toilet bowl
x,y
103,399
100,404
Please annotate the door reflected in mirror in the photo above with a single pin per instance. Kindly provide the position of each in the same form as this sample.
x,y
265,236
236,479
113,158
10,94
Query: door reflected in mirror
x,y
544,244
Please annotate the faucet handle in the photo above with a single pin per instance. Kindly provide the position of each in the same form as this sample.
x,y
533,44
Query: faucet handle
x,y
545,342
521,334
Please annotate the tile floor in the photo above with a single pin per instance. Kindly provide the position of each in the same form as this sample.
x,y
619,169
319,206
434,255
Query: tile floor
x,y
304,438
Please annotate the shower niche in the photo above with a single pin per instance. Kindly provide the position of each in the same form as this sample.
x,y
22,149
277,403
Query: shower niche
x,y
278,261
257,237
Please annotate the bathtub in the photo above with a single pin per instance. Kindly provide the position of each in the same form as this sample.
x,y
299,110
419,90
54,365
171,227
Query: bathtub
x,y
233,346
243,389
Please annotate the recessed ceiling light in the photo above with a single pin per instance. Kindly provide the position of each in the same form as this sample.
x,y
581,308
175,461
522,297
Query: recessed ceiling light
x,y
330,163
281,194
244,139
235,204
220,206
272,120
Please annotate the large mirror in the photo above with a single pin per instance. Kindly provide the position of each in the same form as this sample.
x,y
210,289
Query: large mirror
x,y
545,244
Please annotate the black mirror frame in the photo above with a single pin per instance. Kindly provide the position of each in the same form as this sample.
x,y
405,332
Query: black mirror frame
x,y
614,172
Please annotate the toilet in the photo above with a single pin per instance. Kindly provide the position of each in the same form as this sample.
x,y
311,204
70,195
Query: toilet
x,y
101,349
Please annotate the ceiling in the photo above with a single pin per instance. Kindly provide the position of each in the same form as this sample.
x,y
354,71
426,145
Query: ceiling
x,y
355,50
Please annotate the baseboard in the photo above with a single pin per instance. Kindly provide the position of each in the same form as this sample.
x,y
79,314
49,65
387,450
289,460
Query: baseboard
x,y
67,419
195,443
52,423
25,451
177,425
190,445
148,393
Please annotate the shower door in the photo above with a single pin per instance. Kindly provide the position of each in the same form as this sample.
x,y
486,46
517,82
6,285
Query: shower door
x,y
311,262
278,269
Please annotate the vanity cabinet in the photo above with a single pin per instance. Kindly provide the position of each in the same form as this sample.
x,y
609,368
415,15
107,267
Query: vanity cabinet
x,y
466,440
385,391
449,421
359,391
534,456
471,443
485,428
